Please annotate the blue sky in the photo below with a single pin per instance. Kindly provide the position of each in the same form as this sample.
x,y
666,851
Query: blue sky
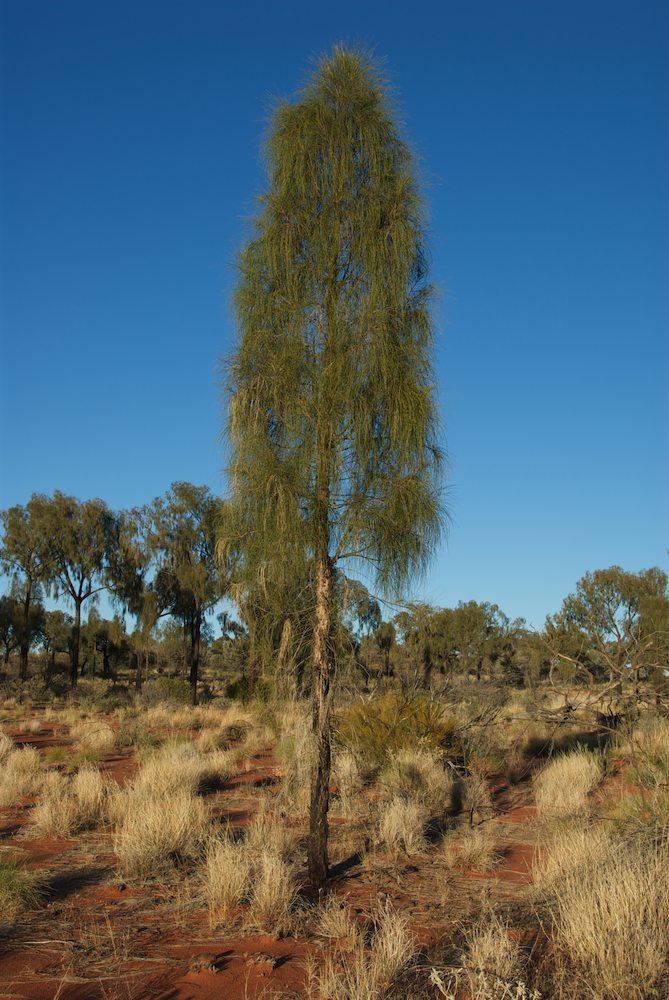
x,y
131,135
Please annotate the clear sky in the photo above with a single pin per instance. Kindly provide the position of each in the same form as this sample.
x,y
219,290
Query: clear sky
x,y
131,137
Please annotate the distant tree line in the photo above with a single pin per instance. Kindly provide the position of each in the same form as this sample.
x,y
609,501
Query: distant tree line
x,y
163,572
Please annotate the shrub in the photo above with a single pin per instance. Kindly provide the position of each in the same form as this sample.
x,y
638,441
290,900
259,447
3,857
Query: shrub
x,y
166,691
375,730
563,786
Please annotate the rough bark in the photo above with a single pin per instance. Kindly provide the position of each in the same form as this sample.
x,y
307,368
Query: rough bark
x,y
76,639
323,672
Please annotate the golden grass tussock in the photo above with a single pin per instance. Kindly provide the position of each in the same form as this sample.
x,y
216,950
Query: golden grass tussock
x,y
180,765
19,889
418,775
69,805
297,754
562,787
609,923
159,833
33,726
648,748
266,831
274,891
336,921
366,973
571,849
402,826
7,746
349,781
21,775
93,734
226,877
238,872
491,961
470,848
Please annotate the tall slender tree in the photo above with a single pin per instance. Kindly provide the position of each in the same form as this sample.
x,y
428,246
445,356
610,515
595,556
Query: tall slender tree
x,y
332,420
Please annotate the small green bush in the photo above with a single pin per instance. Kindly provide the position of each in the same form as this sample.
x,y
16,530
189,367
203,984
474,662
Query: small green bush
x,y
166,691
375,730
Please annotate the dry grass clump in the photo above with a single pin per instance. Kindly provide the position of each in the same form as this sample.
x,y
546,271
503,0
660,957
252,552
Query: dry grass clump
x,y
418,775
93,734
7,746
471,848
180,766
160,833
274,890
33,726
21,774
402,826
267,832
336,922
492,961
69,805
226,877
563,786
349,781
649,751
571,849
610,923
19,889
237,872
366,973
297,753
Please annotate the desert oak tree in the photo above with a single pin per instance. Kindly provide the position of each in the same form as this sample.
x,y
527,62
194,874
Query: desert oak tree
x,y
332,420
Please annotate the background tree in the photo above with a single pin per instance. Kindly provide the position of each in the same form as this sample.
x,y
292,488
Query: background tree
x,y
614,622
23,556
189,581
56,638
332,419
80,539
10,625
384,637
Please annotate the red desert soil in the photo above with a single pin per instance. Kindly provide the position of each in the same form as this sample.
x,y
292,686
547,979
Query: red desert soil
x,y
98,939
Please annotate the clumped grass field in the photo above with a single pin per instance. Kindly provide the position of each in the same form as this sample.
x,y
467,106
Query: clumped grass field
x,y
474,855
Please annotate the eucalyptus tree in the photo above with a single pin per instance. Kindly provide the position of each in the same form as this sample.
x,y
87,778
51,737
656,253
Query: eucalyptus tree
x,y
332,421
189,580
23,556
80,539
617,621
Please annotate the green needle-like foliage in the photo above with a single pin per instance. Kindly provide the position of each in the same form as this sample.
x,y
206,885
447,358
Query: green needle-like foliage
x,y
332,420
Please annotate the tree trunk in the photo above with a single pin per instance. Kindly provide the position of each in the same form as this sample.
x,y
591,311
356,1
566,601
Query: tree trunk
x,y
427,666
76,636
25,637
323,672
194,653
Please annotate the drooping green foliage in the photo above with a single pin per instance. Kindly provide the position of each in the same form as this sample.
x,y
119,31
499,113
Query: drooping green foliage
x,y
332,419
332,398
